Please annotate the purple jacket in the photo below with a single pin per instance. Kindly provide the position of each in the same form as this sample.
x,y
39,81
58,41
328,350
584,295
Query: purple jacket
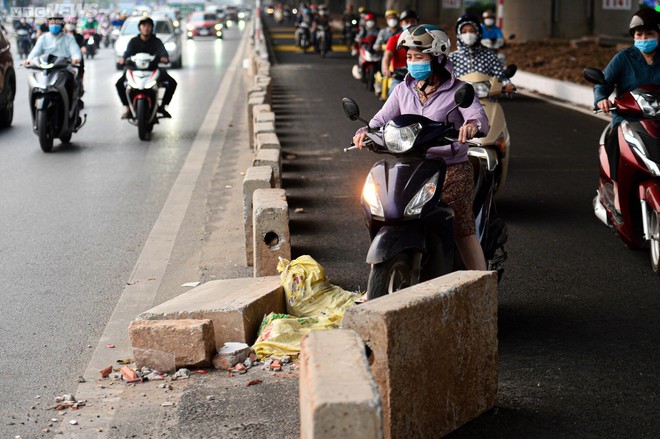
x,y
404,100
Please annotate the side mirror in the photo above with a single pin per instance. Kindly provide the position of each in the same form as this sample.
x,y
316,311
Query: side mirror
x,y
512,37
595,76
510,70
464,96
351,109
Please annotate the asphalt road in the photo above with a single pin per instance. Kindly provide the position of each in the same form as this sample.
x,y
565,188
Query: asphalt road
x,y
74,222
578,312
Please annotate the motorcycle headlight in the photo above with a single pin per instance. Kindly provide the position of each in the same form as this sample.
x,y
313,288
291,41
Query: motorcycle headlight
x,y
648,102
370,196
190,27
170,46
422,196
400,139
481,89
218,26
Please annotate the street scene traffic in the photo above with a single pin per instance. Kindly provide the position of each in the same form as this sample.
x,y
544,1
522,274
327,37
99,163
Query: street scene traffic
x,y
402,144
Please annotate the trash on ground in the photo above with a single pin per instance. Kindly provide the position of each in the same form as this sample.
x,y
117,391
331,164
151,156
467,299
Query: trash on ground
x,y
254,382
167,404
191,284
73,422
125,361
181,374
280,334
110,346
106,371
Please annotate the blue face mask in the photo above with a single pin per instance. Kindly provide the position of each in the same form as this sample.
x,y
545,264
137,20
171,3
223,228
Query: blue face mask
x,y
420,70
54,28
646,46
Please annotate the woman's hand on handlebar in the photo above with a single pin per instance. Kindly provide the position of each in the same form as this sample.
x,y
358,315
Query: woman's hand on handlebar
x,y
358,138
467,132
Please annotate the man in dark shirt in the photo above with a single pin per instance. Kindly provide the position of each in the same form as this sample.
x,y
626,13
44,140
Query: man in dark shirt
x,y
149,43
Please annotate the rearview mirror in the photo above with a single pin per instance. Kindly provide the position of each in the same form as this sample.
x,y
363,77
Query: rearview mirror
x,y
595,76
510,70
464,96
351,108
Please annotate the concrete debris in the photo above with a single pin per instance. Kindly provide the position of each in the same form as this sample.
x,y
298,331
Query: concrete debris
x,y
231,354
73,422
275,366
167,404
181,374
110,346
154,376
285,359
253,382
105,372
210,398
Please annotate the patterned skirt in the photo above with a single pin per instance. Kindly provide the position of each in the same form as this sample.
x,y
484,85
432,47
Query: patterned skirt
x,y
457,192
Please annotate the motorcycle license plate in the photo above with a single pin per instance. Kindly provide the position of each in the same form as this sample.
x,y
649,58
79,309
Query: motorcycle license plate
x,y
203,31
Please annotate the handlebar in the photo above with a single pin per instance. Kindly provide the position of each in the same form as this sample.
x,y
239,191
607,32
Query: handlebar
x,y
598,110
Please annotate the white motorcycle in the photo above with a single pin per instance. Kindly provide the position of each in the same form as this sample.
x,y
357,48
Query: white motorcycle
x,y
142,91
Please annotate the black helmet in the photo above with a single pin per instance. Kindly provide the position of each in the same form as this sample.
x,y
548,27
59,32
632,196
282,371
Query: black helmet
x,y
146,20
468,19
408,14
645,19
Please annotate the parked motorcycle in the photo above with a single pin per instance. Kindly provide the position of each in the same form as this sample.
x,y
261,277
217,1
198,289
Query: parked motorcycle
x,y
323,40
639,169
488,90
410,227
54,115
142,91
303,36
23,42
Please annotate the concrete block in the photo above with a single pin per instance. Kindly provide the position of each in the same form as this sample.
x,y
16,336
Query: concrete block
x,y
264,116
271,230
262,128
252,103
236,307
335,381
267,141
258,177
273,159
252,111
190,342
230,355
447,329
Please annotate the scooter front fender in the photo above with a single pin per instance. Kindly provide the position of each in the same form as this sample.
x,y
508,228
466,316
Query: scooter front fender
x,y
649,191
392,240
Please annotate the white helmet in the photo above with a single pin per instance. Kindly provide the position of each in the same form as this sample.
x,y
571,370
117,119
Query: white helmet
x,y
427,38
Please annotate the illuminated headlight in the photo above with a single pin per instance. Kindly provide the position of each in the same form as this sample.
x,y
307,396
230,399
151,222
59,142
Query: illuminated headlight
x,y
354,22
481,89
90,41
190,27
401,139
648,102
218,26
176,23
241,15
370,196
422,196
170,46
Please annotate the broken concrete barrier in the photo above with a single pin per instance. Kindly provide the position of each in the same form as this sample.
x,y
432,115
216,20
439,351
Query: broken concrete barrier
x,y
267,141
253,110
236,307
271,239
447,328
338,394
271,158
164,345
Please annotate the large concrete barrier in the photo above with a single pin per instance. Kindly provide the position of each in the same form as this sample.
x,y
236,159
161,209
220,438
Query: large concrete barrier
x,y
434,352
236,307
256,177
338,394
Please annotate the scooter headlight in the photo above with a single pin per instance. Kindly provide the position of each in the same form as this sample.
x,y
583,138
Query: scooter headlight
x,y
422,196
170,46
481,89
370,196
648,102
401,139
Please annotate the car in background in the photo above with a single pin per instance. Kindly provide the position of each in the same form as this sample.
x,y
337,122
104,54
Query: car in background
x,y
163,28
7,82
231,14
204,24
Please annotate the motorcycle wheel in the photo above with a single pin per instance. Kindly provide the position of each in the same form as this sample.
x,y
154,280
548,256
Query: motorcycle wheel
x,y
370,78
43,128
389,276
654,229
142,113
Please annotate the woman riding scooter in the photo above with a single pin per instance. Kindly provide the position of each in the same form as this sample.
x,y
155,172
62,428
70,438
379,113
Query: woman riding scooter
x,y
429,88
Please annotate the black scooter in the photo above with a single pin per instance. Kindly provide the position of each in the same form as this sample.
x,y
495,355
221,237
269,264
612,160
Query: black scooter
x,y
55,109
410,227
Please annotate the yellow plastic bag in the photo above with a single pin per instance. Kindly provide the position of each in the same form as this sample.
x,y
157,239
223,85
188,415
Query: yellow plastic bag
x,y
309,293
280,334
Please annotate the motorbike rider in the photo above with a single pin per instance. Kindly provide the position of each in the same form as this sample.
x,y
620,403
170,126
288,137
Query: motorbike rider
x,y
147,42
429,88
70,29
320,20
392,19
471,56
55,42
491,35
22,24
395,60
629,69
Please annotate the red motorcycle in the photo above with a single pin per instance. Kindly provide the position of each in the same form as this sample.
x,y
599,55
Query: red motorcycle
x,y
639,169
368,62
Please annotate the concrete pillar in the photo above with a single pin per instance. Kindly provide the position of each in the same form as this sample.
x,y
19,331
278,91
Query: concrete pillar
x,y
260,177
272,158
271,230
529,21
